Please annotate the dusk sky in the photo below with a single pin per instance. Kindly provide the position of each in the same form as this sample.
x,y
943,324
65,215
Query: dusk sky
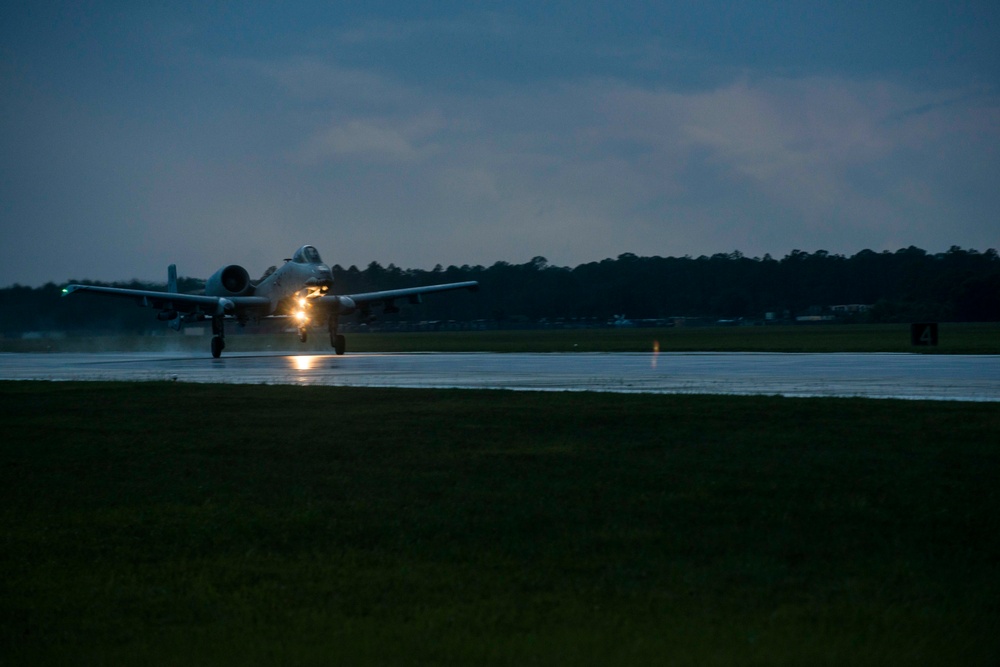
x,y
133,135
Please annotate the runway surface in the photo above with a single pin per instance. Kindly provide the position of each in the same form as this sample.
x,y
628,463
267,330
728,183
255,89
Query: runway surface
x,y
909,376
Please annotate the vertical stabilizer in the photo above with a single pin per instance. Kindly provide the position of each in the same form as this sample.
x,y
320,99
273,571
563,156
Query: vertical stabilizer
x,y
175,322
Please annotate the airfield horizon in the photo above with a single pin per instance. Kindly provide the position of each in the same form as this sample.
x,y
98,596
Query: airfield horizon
x,y
955,338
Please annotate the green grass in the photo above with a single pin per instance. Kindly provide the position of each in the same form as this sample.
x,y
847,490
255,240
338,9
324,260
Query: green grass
x,y
954,339
173,524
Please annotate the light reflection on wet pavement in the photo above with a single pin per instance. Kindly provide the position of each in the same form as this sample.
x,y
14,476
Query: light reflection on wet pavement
x,y
911,376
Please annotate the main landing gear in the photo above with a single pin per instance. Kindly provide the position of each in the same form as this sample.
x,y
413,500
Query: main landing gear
x,y
337,340
218,336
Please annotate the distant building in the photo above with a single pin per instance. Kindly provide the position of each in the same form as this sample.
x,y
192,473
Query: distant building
x,y
851,309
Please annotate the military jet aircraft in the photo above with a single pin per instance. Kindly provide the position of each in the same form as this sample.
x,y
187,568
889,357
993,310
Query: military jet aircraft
x,y
297,289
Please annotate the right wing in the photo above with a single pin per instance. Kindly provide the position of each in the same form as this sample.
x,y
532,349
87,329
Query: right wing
x,y
184,303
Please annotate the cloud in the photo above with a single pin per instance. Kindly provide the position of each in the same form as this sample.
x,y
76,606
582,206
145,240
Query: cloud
x,y
593,168
360,140
801,153
244,158
311,80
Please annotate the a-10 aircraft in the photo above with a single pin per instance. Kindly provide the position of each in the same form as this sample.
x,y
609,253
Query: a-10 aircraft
x,y
297,289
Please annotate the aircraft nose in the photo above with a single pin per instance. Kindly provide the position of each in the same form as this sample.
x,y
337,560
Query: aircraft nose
x,y
324,275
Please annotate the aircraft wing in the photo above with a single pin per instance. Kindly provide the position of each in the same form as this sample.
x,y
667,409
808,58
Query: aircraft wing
x,y
185,303
350,302
390,295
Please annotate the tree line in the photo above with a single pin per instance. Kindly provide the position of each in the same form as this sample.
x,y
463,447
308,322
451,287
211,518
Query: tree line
x,y
909,284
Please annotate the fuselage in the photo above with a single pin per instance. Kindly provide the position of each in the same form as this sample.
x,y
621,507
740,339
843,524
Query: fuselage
x,y
304,275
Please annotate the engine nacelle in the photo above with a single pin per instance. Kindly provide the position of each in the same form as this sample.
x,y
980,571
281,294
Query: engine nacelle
x,y
232,280
346,305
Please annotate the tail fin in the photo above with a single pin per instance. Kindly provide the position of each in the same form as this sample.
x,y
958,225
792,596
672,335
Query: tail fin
x,y
175,322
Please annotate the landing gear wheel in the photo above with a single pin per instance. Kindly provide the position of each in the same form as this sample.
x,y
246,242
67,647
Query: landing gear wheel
x,y
339,343
303,335
218,344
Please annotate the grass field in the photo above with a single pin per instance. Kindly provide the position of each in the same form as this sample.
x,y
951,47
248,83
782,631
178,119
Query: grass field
x,y
954,339
164,524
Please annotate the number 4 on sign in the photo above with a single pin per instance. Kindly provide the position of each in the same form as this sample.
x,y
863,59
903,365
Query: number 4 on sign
x,y
923,333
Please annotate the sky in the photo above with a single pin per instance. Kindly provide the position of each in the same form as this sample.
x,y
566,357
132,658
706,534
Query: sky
x,y
135,135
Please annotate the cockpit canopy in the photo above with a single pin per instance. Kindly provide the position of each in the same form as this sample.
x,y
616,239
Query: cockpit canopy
x,y
307,254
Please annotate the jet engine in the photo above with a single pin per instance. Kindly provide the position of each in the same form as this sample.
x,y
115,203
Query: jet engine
x,y
232,280
344,305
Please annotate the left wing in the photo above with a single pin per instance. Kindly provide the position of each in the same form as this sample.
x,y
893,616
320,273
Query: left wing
x,y
348,303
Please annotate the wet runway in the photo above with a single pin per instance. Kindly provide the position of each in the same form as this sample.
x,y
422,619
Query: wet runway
x,y
910,376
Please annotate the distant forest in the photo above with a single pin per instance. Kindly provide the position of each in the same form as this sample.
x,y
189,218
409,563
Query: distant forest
x,y
903,286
